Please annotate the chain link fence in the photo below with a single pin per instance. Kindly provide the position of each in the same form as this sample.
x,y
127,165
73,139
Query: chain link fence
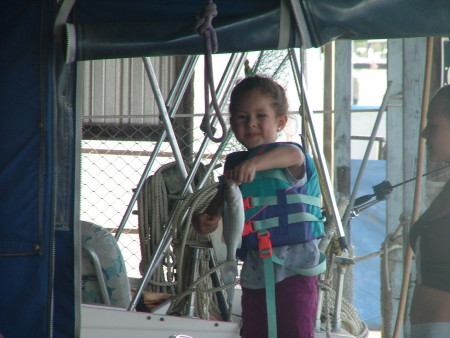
x,y
111,170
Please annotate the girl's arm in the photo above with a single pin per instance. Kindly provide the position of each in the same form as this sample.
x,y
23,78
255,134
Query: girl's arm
x,y
288,156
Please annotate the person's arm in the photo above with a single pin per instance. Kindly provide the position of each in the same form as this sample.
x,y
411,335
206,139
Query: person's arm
x,y
288,156
208,221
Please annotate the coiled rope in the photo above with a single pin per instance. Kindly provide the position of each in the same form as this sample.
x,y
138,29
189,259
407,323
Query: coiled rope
x,y
153,212
349,315
173,275
206,301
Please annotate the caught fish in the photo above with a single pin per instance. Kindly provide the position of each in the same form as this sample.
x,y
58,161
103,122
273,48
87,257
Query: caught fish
x,y
233,223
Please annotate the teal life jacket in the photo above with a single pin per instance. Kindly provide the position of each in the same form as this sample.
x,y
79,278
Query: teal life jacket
x,y
278,213
273,206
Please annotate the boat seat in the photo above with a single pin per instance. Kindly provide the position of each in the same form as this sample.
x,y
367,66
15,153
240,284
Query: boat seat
x,y
103,270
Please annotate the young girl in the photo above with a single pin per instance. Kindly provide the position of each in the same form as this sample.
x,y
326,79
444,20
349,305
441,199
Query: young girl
x,y
430,235
281,195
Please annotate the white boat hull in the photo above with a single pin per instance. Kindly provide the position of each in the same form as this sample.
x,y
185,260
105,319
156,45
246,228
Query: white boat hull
x,y
108,322
102,322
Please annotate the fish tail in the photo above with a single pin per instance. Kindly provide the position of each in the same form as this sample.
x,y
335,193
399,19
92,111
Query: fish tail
x,y
230,268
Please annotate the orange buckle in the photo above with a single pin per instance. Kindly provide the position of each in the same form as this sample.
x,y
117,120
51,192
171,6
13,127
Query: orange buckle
x,y
264,245
248,228
248,203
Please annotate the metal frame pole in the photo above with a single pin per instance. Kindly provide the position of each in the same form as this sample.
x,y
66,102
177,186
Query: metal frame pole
x,y
167,238
173,101
165,118
346,217
329,194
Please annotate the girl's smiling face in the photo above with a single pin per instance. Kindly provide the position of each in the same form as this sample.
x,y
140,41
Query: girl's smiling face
x,y
255,121
437,131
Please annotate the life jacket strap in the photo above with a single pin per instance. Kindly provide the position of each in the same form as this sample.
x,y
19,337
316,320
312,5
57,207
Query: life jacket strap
x,y
314,271
264,244
269,278
292,218
265,252
290,199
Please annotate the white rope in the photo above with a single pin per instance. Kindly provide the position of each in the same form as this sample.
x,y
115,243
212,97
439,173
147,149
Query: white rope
x,y
152,215
173,276
349,315
206,301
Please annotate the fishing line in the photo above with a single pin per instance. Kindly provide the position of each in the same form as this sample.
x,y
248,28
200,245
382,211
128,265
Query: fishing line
x,y
385,188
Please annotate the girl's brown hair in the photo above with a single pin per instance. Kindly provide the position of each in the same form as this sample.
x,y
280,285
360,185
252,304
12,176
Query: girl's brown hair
x,y
266,86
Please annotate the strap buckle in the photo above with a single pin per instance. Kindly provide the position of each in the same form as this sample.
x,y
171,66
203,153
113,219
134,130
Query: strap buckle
x,y
248,228
264,244
248,203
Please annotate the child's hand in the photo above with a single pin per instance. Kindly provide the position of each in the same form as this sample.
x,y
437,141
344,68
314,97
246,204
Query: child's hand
x,y
244,172
204,223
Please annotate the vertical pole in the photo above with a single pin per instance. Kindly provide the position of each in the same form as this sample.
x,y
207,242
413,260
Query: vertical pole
x,y
328,194
194,275
381,110
328,107
342,140
417,190
391,266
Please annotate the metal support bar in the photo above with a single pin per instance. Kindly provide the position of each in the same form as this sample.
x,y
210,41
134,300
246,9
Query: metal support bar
x,y
194,275
166,239
173,101
383,106
329,194
337,321
318,321
223,91
165,118
99,274
357,210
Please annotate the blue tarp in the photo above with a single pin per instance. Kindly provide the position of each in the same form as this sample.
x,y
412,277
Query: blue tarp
x,y
24,236
36,289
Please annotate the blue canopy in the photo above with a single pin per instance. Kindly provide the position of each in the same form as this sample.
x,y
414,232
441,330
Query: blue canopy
x,y
111,29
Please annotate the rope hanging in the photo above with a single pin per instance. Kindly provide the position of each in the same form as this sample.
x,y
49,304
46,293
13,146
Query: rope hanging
x,y
205,28
153,212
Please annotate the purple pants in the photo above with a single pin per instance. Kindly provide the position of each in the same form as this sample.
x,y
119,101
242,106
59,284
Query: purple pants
x,y
296,303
